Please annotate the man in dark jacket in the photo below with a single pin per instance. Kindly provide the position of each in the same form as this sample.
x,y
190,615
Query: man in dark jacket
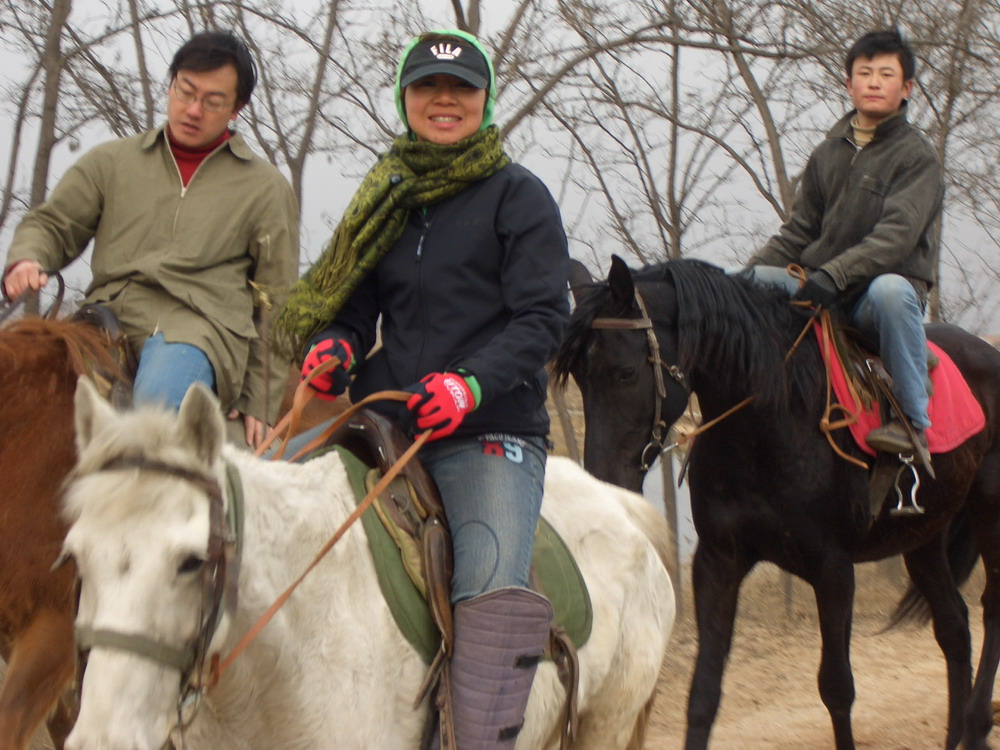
x,y
862,225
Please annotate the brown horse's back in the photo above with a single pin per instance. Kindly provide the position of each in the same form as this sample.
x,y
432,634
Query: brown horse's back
x,y
40,362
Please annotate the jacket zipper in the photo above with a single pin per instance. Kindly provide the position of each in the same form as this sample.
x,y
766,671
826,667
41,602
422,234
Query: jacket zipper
x,y
180,177
420,287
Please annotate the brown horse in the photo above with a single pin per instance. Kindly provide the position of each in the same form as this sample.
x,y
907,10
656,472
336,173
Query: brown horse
x,y
40,361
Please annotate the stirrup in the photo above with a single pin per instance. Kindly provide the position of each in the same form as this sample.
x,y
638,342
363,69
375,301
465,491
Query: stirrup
x,y
914,508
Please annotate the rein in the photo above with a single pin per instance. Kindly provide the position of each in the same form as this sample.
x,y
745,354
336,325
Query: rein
x,y
10,306
303,393
220,574
660,428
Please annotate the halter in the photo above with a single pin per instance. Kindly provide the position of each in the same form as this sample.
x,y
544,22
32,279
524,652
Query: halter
x,y
658,433
220,575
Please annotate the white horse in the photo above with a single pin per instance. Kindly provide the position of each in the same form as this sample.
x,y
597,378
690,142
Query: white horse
x,y
332,669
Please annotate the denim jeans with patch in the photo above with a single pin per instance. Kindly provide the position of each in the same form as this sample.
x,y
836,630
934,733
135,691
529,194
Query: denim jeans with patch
x,y
891,314
166,371
491,487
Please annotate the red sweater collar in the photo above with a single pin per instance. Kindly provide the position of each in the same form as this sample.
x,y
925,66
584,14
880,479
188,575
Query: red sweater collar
x,y
189,159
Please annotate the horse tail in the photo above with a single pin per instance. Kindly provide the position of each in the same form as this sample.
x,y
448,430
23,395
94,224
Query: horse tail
x,y
962,555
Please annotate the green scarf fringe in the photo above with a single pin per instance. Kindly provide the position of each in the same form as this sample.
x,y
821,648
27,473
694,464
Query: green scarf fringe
x,y
411,174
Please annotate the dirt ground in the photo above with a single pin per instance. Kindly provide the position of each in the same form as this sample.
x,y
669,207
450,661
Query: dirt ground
x,y
770,699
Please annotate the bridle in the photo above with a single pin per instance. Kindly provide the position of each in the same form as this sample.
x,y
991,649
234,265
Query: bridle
x,y
658,434
220,574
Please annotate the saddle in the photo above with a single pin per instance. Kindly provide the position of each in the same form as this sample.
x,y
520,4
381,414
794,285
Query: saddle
x,y
410,506
115,387
411,513
862,390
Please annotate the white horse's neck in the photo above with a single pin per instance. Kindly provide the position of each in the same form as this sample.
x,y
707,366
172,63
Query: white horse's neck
x,y
291,511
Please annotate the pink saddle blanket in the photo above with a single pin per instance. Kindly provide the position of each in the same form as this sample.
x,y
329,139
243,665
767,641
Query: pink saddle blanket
x,y
954,412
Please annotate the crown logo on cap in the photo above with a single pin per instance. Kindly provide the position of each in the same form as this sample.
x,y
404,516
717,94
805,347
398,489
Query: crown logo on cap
x,y
446,51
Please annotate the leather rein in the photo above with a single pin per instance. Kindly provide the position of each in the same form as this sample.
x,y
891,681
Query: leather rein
x,y
655,446
220,572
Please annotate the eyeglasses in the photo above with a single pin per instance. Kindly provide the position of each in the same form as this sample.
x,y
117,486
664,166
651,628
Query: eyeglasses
x,y
209,103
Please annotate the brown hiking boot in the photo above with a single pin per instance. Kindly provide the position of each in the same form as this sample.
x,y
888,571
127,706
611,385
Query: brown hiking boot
x,y
893,437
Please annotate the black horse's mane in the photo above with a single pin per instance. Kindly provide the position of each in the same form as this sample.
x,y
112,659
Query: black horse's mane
x,y
728,325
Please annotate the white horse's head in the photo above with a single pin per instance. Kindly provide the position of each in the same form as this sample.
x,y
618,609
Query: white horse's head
x,y
139,533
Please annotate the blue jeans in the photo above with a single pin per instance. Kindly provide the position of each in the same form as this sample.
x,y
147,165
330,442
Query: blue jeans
x,y
166,371
891,314
491,487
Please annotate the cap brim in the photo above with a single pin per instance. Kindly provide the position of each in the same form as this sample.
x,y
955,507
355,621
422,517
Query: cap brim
x,y
446,68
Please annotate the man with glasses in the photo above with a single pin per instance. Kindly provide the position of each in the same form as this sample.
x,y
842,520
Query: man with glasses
x,y
194,236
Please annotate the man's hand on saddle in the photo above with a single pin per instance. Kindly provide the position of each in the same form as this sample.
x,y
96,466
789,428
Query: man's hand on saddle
x,y
334,382
819,289
440,402
24,275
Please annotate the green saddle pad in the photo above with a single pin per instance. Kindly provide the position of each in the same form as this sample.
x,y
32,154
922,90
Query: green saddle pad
x,y
553,568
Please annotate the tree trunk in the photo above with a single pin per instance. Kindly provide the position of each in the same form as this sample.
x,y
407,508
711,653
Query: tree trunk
x,y
52,65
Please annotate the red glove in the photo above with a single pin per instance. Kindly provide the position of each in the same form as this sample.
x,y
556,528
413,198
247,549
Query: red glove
x,y
440,402
331,383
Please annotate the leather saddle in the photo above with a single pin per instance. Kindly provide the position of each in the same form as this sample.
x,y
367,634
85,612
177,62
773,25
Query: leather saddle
x,y
412,505
115,387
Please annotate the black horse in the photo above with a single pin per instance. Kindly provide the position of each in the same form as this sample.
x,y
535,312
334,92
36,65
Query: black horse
x,y
765,483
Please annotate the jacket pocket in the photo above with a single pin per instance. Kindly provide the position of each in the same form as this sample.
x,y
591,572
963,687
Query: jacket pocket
x,y
872,184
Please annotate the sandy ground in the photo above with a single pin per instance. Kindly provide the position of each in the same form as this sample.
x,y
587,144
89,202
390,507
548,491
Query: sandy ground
x,y
770,699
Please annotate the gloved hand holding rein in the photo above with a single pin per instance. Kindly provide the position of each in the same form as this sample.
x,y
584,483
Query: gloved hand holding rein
x,y
334,382
441,400
820,289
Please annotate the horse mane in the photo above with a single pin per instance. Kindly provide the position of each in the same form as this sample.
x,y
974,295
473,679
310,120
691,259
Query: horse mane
x,y
589,297
40,345
742,331
738,330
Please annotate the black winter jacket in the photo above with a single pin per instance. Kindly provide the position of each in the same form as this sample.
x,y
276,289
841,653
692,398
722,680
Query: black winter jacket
x,y
477,282
862,212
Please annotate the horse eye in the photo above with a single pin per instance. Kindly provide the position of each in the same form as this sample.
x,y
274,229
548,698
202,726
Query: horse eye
x,y
191,564
626,374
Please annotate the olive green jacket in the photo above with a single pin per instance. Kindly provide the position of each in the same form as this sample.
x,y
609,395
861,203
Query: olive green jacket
x,y
184,261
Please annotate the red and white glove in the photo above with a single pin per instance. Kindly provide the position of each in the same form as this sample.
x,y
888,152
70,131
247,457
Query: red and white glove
x,y
440,402
333,382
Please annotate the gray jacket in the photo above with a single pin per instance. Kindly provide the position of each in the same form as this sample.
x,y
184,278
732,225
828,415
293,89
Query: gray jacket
x,y
862,212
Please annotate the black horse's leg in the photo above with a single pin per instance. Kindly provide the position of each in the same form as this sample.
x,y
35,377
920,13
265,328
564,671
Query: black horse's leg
x,y
716,581
834,589
929,570
979,712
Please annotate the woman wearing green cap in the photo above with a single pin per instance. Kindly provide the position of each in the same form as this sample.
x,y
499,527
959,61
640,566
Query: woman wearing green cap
x,y
461,257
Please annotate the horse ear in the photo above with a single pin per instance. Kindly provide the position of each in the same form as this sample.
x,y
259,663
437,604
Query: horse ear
x,y
91,412
579,277
620,281
200,425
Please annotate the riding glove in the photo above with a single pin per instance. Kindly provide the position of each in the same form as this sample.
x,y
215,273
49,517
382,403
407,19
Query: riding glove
x,y
820,289
334,382
440,402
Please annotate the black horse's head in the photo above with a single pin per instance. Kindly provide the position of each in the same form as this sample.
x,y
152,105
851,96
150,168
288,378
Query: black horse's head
x,y
725,335
627,411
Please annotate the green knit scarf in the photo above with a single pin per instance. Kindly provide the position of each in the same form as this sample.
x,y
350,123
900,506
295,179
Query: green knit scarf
x,y
411,174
